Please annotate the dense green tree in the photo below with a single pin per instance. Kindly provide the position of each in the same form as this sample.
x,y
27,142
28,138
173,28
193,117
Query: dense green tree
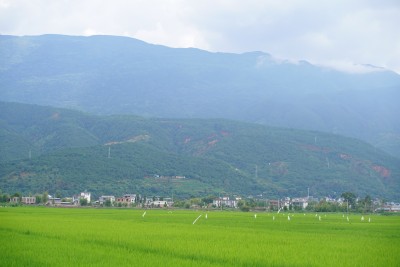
x,y
208,200
4,198
365,204
179,203
45,197
245,208
38,199
107,203
350,199
83,202
195,201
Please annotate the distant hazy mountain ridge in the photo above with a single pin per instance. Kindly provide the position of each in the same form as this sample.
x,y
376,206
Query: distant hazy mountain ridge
x,y
119,75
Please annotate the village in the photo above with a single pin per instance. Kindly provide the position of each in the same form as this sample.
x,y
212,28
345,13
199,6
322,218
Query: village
x,y
225,202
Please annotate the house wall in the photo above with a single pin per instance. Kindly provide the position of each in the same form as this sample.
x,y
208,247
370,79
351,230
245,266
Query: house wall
x,y
28,200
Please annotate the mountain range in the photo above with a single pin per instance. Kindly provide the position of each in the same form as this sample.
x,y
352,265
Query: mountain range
x,y
107,75
66,151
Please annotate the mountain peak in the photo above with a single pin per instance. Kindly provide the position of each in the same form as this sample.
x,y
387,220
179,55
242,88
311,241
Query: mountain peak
x,y
123,75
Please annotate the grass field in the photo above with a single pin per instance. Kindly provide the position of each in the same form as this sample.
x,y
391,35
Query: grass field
x,y
38,236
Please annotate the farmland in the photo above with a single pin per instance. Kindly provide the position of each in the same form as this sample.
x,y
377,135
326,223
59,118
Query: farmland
x,y
38,236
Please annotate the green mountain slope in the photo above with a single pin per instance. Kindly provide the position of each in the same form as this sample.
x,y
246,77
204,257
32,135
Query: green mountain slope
x,y
73,151
119,75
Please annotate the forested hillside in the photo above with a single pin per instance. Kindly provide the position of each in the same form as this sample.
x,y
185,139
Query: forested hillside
x,y
119,75
59,150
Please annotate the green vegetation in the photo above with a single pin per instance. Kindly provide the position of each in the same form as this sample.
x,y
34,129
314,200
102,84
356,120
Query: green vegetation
x,y
124,237
119,75
67,151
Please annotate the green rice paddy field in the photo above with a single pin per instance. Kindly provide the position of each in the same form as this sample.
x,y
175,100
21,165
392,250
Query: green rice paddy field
x,y
39,236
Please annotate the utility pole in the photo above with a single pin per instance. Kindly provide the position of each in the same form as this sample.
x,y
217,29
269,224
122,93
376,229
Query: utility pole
x,y
220,201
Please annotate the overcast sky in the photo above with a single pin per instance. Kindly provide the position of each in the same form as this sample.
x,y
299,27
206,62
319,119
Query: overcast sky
x,y
339,33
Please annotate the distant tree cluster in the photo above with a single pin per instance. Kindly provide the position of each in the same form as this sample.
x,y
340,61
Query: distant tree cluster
x,y
350,203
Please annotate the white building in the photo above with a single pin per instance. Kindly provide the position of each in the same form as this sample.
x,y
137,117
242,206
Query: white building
x,y
82,195
286,202
85,195
103,199
165,202
225,202
28,200
300,202
391,207
53,201
159,203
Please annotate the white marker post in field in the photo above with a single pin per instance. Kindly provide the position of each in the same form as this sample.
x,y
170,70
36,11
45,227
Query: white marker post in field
x,y
197,219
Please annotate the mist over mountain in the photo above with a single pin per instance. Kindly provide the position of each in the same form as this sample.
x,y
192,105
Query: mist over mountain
x,y
119,75
66,151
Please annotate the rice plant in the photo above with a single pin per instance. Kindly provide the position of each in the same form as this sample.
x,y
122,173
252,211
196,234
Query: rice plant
x,y
37,236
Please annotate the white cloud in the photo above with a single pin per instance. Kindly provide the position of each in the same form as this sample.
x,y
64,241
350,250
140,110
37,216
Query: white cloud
x,y
350,67
323,32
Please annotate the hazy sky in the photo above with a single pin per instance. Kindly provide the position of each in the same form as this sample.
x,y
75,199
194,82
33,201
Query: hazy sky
x,y
337,33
